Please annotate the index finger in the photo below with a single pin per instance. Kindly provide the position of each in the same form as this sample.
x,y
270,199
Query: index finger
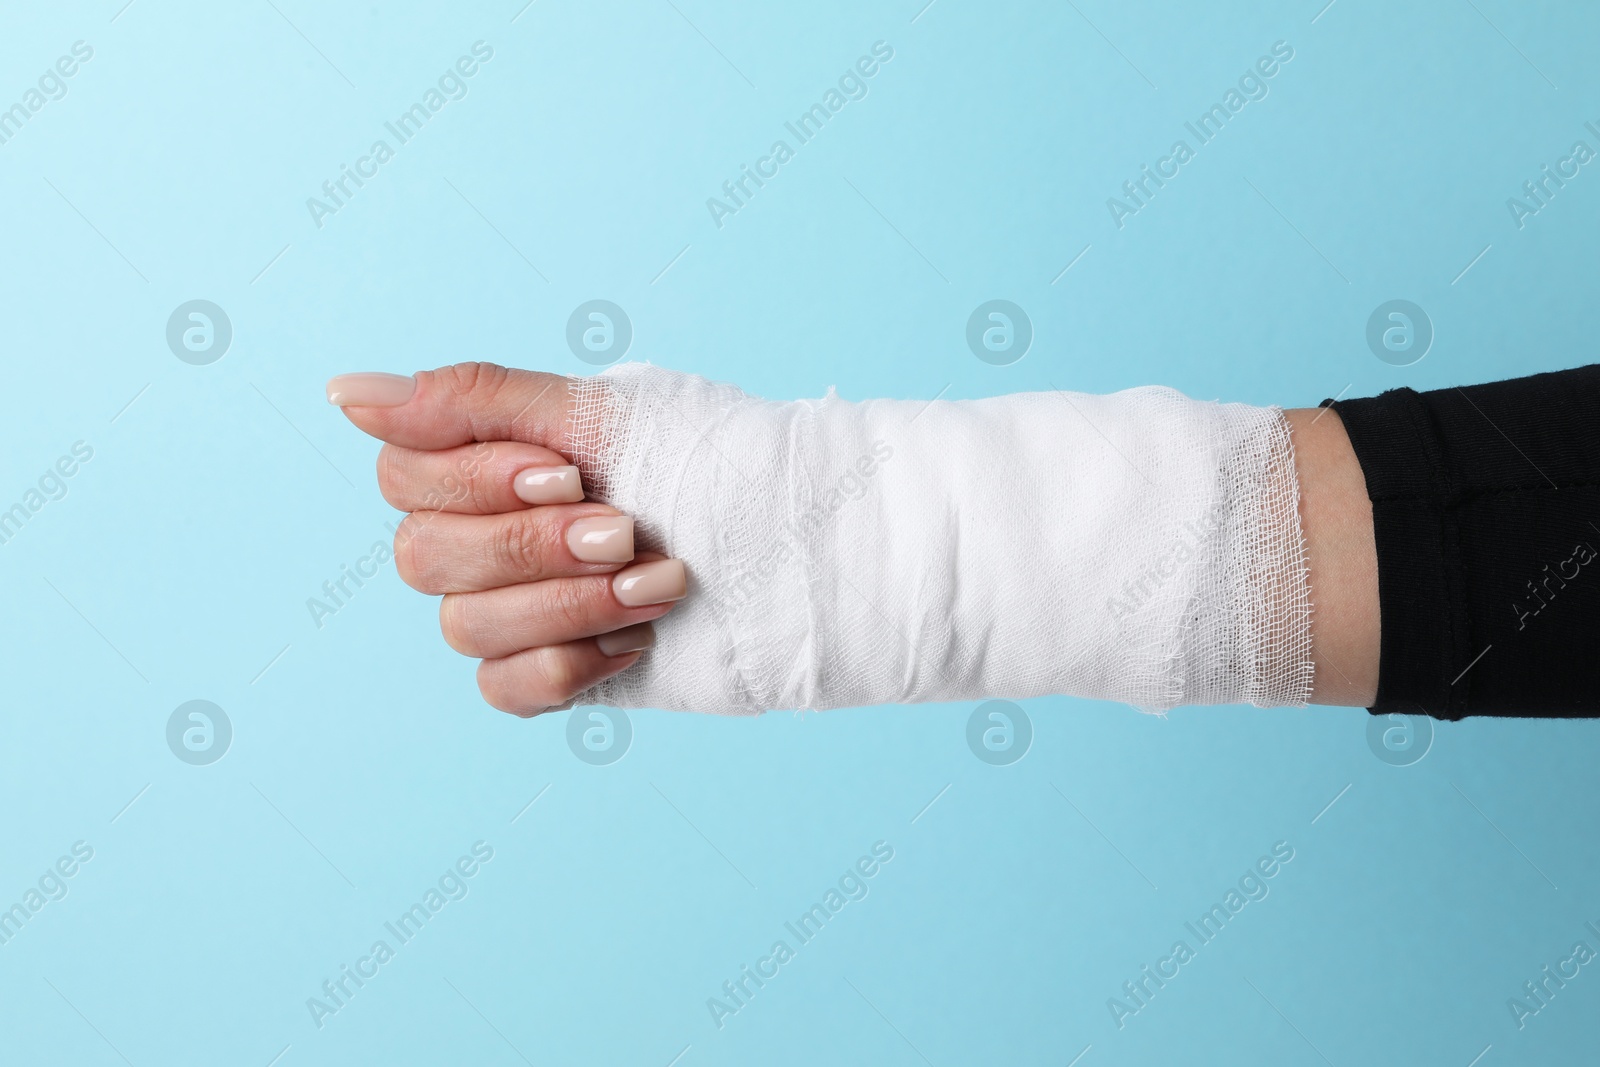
x,y
456,405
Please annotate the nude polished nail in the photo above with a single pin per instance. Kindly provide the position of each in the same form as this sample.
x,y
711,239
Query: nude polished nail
x,y
602,539
548,485
651,583
628,639
375,389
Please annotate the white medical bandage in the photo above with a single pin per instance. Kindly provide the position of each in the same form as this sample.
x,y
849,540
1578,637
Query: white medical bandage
x,y
1140,547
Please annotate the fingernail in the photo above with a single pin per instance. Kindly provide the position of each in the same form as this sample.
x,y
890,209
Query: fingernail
x,y
628,639
374,389
602,539
651,583
548,485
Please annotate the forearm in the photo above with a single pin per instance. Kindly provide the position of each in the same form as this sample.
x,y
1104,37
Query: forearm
x,y
1411,552
1336,520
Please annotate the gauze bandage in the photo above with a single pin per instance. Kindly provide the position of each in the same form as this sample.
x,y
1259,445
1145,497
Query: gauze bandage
x,y
1139,547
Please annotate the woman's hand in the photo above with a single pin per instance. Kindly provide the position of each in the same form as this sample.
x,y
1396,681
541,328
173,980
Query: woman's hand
x,y
545,588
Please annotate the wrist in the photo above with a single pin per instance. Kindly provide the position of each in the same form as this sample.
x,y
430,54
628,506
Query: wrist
x,y
1341,555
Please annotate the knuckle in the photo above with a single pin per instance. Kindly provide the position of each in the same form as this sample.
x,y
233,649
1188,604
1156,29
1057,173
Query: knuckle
x,y
484,499
536,680
474,386
558,676
571,608
552,678
472,379
449,490
520,545
472,486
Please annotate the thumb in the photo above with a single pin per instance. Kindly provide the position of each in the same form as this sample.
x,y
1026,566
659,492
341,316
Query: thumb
x,y
456,405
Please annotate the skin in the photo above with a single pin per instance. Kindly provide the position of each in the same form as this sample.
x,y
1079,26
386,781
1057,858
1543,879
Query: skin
x,y
1342,556
513,595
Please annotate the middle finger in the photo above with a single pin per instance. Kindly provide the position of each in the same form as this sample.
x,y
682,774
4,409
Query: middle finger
x,y
478,479
443,552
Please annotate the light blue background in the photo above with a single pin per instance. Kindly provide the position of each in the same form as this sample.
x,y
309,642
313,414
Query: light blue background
x,y
364,763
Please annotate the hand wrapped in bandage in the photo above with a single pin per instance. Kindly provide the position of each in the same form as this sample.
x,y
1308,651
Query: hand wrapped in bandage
x,y
1141,546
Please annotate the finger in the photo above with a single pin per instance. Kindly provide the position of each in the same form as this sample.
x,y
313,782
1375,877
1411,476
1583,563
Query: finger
x,y
439,552
541,679
456,405
499,622
478,479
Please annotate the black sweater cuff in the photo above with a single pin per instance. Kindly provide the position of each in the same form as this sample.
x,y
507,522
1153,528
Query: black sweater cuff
x,y
1486,514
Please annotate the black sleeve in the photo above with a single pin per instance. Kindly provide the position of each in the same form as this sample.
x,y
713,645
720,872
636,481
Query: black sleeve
x,y
1486,513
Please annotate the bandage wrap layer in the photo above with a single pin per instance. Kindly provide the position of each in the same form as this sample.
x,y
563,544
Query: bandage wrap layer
x,y
1139,547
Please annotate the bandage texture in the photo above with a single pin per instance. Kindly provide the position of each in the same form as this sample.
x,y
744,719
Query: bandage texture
x,y
1140,546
